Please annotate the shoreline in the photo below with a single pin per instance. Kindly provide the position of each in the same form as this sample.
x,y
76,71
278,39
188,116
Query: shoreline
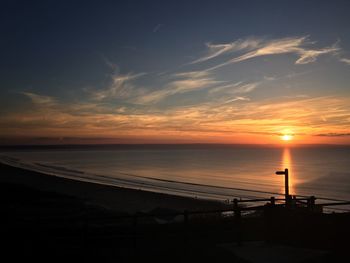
x,y
58,218
119,182
106,196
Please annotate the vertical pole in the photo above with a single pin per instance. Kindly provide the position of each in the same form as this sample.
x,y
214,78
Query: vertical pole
x,y
236,209
235,204
286,182
286,185
311,203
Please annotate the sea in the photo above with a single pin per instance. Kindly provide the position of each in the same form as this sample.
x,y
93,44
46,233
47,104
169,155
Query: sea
x,y
220,172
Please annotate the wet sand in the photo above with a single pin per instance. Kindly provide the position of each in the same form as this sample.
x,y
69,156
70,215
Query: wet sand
x,y
108,197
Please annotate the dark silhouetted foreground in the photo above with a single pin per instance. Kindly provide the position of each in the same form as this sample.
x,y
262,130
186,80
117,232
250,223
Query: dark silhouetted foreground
x,y
69,221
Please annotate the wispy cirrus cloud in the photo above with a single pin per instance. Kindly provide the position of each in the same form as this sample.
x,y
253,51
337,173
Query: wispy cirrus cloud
x,y
215,50
345,60
126,87
235,88
47,106
40,100
253,48
237,98
121,87
245,88
224,117
309,56
179,83
225,88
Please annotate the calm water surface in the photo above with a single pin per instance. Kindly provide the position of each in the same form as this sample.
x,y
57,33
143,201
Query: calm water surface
x,y
203,171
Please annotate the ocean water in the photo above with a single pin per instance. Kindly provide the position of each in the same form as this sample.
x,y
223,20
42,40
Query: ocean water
x,y
203,171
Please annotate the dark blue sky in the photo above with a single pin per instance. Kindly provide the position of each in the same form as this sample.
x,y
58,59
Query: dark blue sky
x,y
70,51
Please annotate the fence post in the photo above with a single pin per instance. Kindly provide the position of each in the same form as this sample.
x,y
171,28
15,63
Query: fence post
x,y
273,201
237,219
311,203
286,185
294,201
236,209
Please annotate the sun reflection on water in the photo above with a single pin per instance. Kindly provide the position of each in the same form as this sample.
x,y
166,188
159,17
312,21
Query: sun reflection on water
x,y
287,163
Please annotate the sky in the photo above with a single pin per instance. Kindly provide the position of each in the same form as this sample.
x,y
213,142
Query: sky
x,y
174,72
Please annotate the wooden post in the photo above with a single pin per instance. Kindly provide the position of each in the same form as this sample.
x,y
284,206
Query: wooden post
x,y
235,203
286,184
311,203
236,209
294,201
272,201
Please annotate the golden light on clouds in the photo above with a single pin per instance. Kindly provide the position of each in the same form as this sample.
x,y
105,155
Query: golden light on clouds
x,y
295,120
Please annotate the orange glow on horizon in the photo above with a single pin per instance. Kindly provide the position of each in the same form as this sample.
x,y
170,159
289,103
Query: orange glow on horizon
x,y
166,137
265,122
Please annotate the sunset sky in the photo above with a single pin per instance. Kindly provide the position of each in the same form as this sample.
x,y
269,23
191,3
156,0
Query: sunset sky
x,y
175,72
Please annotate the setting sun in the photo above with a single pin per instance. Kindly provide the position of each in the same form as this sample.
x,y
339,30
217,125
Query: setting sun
x,y
286,137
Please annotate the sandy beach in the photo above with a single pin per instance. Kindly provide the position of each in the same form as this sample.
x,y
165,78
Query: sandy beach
x,y
47,218
108,197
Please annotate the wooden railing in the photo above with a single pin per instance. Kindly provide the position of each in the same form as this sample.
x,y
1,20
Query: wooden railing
x,y
239,206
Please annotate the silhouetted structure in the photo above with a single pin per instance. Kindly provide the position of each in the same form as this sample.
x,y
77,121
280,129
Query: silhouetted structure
x,y
286,184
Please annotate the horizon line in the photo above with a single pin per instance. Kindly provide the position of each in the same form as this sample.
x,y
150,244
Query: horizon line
x,y
171,144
